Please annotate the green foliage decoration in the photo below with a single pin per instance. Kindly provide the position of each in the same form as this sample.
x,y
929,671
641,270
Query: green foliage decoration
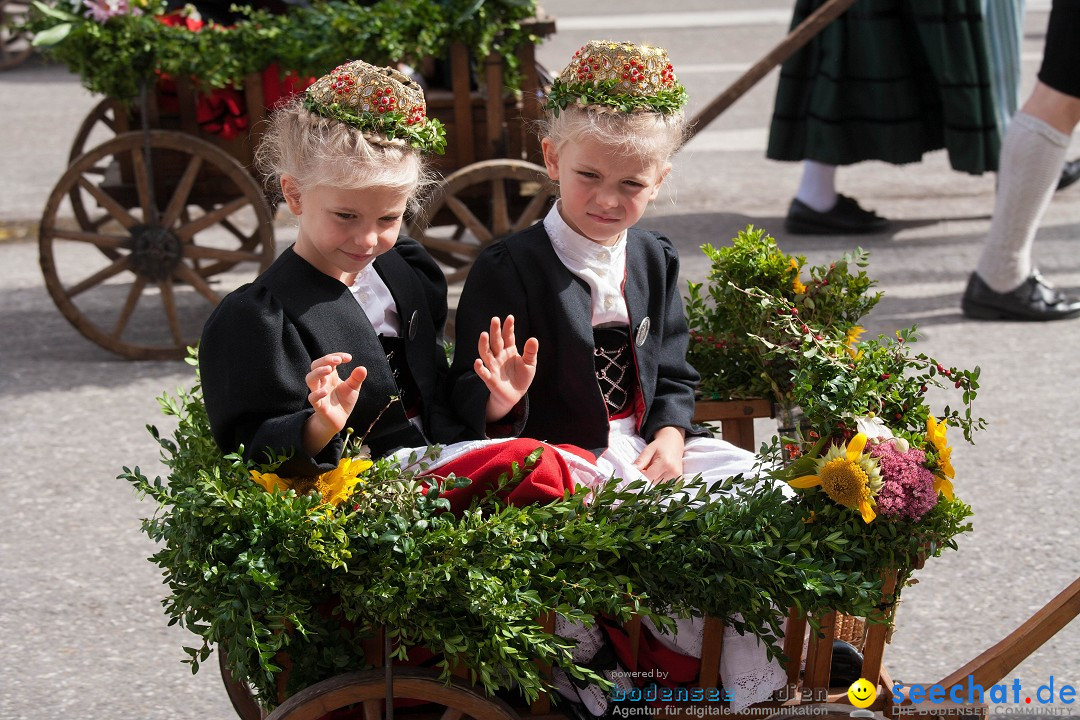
x,y
256,574
861,444
115,56
733,341
430,136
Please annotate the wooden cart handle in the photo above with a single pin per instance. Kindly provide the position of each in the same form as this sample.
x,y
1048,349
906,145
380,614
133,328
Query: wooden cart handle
x,y
991,666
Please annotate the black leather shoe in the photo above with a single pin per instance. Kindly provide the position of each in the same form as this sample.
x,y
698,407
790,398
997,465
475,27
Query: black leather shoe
x,y
846,665
845,218
1070,173
1033,300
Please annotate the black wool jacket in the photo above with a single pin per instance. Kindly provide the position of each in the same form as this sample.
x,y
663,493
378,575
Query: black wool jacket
x,y
522,276
259,344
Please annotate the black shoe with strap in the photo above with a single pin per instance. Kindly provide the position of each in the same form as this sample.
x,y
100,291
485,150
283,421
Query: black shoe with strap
x,y
845,218
1034,300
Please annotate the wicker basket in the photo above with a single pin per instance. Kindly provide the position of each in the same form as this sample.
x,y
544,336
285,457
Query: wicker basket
x,y
851,630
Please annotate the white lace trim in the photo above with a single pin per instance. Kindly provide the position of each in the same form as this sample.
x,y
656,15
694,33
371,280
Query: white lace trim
x,y
589,641
589,638
748,674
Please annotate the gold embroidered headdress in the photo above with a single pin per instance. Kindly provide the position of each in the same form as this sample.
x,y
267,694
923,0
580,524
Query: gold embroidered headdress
x,y
378,100
619,75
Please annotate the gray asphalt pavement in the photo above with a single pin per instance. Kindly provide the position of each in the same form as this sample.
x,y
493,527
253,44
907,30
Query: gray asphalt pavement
x,y
82,633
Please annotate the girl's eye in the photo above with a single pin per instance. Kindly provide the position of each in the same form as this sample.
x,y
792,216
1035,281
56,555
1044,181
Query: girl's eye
x,y
390,218
345,215
586,174
635,184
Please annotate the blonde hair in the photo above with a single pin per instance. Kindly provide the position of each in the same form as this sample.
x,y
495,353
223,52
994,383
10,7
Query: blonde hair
x,y
651,136
321,151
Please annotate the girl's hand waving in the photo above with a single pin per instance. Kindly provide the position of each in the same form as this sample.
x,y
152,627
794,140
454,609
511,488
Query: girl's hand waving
x,y
332,398
506,373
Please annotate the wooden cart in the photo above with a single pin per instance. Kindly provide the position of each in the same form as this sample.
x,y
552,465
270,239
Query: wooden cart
x,y
513,183
808,668
168,217
494,181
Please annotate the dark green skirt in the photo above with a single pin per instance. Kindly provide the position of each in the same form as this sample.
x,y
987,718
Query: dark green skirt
x,y
889,80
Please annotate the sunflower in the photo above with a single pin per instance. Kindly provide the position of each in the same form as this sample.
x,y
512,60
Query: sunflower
x,y
337,485
796,284
334,486
848,475
850,340
270,482
943,473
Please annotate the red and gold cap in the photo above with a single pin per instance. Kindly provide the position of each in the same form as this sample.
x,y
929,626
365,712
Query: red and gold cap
x,y
620,75
379,100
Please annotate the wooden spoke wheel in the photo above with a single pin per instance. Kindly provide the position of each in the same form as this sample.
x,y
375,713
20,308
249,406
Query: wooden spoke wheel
x,y
477,205
181,231
97,127
15,45
366,692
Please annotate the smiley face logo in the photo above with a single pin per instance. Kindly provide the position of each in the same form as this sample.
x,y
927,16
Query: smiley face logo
x,y
862,693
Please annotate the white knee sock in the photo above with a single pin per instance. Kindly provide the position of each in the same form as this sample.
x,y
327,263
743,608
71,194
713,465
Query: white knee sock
x,y
817,189
1032,156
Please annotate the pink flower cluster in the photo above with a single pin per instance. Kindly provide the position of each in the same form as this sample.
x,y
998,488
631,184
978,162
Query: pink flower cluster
x,y
907,488
102,10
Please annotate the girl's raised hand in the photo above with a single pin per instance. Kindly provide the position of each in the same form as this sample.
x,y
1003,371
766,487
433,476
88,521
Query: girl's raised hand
x,y
332,398
506,372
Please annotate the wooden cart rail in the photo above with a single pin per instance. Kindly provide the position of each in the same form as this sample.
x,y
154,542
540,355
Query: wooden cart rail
x,y
804,33
497,135
996,662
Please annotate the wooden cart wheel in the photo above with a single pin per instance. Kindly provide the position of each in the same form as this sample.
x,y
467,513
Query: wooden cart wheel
x,y
240,694
202,216
477,205
99,122
15,45
367,690
98,126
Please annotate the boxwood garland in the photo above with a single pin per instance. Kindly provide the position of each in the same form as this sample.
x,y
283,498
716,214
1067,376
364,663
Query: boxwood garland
x,y
256,573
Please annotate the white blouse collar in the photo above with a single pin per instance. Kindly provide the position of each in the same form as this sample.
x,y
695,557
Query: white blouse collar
x,y
374,297
574,247
602,267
